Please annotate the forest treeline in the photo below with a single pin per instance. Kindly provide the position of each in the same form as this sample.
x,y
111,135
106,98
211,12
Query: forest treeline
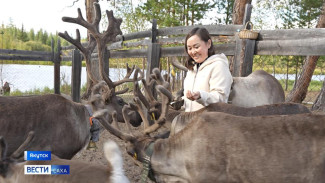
x,y
13,37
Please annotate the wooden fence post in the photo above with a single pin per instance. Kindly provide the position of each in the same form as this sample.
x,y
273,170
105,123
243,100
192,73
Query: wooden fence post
x,y
153,50
76,75
56,58
245,48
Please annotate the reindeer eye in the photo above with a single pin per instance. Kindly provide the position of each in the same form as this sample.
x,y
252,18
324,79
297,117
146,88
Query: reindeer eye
x,y
120,101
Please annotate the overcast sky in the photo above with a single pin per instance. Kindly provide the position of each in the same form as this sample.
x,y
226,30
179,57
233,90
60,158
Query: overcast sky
x,y
43,14
47,14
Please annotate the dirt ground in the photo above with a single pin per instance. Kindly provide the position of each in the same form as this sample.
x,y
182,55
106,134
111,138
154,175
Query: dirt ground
x,y
132,171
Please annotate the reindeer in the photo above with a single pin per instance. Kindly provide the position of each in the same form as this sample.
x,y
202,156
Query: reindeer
x,y
100,40
181,119
12,171
60,125
220,147
258,88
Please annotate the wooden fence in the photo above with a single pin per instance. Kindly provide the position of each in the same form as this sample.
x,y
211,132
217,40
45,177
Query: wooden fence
x,y
169,42
157,43
54,56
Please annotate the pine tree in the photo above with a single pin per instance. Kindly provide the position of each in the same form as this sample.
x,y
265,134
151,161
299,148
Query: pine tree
x,y
22,35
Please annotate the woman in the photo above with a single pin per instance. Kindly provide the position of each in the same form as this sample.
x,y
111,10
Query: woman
x,y
208,79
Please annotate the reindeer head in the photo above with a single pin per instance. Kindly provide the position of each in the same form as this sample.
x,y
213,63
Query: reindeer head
x,y
137,145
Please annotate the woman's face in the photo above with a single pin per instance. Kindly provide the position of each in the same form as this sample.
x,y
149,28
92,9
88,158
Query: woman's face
x,y
197,48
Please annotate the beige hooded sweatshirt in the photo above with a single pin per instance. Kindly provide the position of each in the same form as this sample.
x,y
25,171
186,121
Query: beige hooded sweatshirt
x,y
213,80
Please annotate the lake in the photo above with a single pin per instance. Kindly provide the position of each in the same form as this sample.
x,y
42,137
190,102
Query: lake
x,y
28,77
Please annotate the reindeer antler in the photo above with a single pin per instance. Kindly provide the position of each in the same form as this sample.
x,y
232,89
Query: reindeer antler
x,y
149,101
86,51
166,98
178,65
19,151
94,27
114,130
101,38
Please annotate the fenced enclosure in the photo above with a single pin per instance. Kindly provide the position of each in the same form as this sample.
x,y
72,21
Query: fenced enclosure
x,y
279,52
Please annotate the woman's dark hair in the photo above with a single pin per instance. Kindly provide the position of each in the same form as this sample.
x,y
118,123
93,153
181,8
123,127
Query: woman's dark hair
x,y
204,36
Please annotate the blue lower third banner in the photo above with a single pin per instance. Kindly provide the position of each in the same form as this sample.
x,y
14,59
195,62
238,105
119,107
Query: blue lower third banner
x,y
60,169
37,155
46,169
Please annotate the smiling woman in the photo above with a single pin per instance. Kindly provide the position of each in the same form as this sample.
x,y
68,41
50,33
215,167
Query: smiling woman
x,y
208,79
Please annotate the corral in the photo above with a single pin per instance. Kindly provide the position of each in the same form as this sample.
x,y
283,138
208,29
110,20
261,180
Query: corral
x,y
269,42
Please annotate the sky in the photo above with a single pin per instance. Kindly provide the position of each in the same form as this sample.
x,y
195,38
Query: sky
x,y
43,14
47,14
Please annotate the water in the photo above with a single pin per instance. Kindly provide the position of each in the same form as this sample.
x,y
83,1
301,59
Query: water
x,y
29,77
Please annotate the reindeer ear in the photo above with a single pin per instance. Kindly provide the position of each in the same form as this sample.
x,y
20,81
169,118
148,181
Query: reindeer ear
x,y
97,102
107,94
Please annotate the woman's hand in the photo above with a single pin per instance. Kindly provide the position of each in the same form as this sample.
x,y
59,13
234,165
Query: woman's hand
x,y
193,95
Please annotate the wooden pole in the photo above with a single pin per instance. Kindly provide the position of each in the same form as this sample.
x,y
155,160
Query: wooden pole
x,y
153,50
76,75
245,48
57,61
249,44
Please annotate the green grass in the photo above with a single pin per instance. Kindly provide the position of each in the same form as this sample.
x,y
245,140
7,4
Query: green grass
x,y
64,88
313,85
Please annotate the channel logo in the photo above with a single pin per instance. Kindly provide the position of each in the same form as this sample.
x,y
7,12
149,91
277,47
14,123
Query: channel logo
x,y
37,155
46,169
37,169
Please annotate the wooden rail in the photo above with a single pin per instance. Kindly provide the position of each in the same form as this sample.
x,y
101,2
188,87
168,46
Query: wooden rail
x,y
296,42
25,55
54,56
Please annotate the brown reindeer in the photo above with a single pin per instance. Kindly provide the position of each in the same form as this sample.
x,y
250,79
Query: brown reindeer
x,y
180,119
60,125
12,171
220,147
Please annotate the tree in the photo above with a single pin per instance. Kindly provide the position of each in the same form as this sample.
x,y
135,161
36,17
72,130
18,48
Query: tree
x,y
39,35
298,93
22,35
170,13
126,9
226,8
319,103
44,38
239,11
31,35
